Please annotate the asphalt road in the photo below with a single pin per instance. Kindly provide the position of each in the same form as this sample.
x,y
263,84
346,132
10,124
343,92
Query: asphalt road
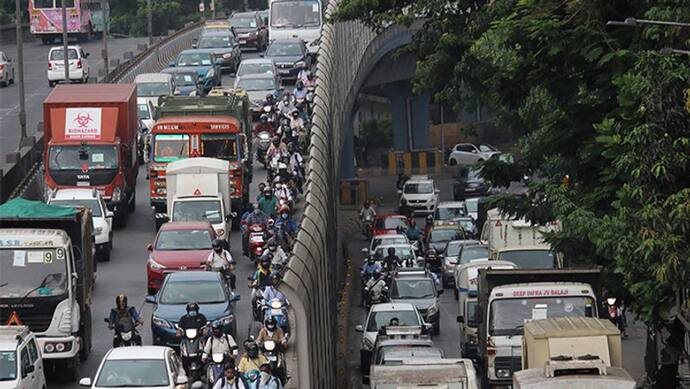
x,y
126,273
36,85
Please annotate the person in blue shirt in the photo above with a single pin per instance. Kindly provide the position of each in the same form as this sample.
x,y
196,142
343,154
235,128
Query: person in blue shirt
x,y
370,267
286,223
124,313
413,233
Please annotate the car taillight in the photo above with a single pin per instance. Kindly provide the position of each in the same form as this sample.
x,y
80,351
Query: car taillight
x,y
78,64
2,66
50,66
153,173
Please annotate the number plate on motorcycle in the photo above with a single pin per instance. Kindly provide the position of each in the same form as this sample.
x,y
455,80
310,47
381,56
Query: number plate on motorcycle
x,y
272,358
243,42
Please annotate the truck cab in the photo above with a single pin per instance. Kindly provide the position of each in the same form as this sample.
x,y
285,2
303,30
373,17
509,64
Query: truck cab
x,y
21,365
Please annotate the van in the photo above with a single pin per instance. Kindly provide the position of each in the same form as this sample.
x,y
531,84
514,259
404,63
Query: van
x,y
78,65
21,365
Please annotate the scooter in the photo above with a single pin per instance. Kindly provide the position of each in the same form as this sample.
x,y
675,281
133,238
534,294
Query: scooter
x,y
276,359
375,295
125,334
367,223
215,367
311,93
257,302
257,242
191,348
276,309
263,143
615,315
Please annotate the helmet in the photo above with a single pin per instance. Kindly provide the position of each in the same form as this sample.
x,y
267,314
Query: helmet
x,y
217,243
299,106
120,299
269,96
431,251
272,245
413,223
299,84
270,323
391,251
275,140
263,118
295,114
310,76
217,328
252,349
284,209
371,259
192,307
266,261
267,191
430,219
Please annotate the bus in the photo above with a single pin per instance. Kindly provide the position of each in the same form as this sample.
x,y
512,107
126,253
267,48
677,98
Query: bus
x,y
296,19
85,18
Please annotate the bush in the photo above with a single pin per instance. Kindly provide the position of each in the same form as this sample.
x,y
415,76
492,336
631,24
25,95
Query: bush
x,y
376,133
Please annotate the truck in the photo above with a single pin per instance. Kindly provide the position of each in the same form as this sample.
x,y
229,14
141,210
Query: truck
x,y
519,241
198,190
47,270
425,373
570,351
210,126
466,292
510,298
90,135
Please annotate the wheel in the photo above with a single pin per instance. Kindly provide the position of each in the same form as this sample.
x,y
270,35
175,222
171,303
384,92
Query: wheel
x,y
132,205
51,84
453,162
3,84
120,219
85,333
455,294
12,79
436,330
71,369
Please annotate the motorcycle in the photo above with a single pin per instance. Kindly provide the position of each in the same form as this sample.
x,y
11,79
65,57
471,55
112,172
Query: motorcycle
x,y
256,241
367,224
125,333
215,367
375,295
263,143
191,348
615,314
277,309
311,93
276,359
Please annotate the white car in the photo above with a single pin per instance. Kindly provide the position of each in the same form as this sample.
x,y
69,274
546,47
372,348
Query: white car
x,y
420,193
151,86
6,70
385,239
21,365
449,211
78,65
256,66
146,114
139,367
472,206
466,154
102,217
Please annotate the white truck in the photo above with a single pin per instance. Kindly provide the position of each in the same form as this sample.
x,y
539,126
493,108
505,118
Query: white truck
x,y
466,279
425,373
198,189
508,299
519,241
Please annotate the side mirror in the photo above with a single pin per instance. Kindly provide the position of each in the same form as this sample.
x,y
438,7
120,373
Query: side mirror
x,y
150,299
428,327
86,381
438,191
171,64
29,369
86,55
149,247
399,192
359,328
235,297
365,250
228,218
460,319
109,214
194,45
262,55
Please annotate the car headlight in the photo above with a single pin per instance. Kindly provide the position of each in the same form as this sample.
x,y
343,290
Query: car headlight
x,y
227,55
117,195
157,321
210,73
502,373
433,310
227,319
155,265
299,64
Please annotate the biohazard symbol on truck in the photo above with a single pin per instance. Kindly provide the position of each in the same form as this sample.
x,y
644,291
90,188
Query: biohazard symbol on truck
x,y
13,320
83,120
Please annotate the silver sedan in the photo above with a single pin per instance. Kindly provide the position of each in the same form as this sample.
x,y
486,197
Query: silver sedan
x,y
6,69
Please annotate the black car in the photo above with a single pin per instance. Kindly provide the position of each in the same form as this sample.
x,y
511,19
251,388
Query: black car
x,y
186,81
224,46
290,56
469,183
250,30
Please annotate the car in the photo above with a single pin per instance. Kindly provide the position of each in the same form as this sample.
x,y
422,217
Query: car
x,y
216,26
421,292
421,194
440,235
21,365
386,223
204,62
469,226
380,316
102,218
250,29
139,367
472,205
258,86
472,252
256,66
470,183
290,55
78,65
404,251
451,259
186,81
397,344
225,48
6,70
449,211
385,239
178,246
207,288
151,86
147,114
466,154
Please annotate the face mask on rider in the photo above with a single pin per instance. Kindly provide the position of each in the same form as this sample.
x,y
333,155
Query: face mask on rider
x,y
271,327
284,216
265,376
257,211
192,313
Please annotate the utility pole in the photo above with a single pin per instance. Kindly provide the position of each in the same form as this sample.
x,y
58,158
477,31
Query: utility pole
x,y
65,53
106,19
149,11
213,9
20,68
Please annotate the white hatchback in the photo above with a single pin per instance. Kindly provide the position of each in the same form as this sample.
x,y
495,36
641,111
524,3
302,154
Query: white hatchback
x,y
78,65
421,194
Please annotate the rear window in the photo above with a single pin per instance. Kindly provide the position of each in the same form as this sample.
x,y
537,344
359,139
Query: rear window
x,y
58,54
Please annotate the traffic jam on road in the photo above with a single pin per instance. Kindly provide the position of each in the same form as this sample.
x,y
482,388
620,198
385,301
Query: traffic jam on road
x,y
515,303
225,167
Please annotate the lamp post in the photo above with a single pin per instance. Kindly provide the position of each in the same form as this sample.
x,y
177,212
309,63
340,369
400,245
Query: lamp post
x,y
106,16
65,53
20,69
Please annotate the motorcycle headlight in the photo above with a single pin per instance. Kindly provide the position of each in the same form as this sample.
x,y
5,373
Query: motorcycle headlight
x,y
117,195
126,335
210,73
264,136
191,333
227,319
217,357
276,304
157,321
502,373
269,345
155,265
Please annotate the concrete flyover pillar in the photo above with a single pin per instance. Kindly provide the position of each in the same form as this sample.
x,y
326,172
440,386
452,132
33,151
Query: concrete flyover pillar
x,y
347,153
410,116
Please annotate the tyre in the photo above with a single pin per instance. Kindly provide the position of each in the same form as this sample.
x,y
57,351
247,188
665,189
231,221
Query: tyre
x,y
104,255
436,330
85,333
132,205
455,294
51,84
12,80
71,369
3,84
120,219
453,162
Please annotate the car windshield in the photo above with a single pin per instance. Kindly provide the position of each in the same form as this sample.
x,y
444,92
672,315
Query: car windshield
x,y
418,188
295,14
255,68
447,213
280,49
403,252
391,223
8,365
474,175
153,89
221,146
58,54
170,147
254,84
470,253
472,206
453,249
197,211
445,235
508,316
486,148
467,224
133,373
84,157
182,292
243,22
383,318
185,79
529,259
33,273
184,240
144,112
393,239
195,59
89,203
209,42
413,289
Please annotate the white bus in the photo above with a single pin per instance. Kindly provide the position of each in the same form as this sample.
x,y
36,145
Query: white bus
x,y
296,19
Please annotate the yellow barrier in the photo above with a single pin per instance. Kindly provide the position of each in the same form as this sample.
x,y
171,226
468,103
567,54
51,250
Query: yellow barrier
x,y
353,191
415,162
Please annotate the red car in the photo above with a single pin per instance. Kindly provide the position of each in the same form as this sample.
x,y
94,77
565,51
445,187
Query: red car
x,y
384,223
178,246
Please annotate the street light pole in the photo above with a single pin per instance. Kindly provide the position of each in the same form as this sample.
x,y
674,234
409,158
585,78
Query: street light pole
x,y
213,9
65,53
634,22
20,68
149,11
106,18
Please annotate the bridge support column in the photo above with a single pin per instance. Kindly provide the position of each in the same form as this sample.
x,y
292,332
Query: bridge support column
x,y
347,153
410,116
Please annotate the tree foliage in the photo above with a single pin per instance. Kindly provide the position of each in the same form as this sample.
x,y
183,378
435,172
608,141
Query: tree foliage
x,y
599,104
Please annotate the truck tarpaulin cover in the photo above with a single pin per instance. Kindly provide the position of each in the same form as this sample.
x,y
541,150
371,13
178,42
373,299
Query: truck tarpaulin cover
x,y
20,208
82,124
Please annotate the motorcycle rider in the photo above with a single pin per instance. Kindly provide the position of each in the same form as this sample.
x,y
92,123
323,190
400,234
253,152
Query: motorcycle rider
x,y
285,106
263,125
221,260
252,359
257,217
391,261
303,74
285,222
270,292
413,233
296,121
122,312
279,256
310,81
267,380
193,318
300,91
296,165
230,380
375,285
276,148
428,226
271,331
219,342
370,267
269,100
269,203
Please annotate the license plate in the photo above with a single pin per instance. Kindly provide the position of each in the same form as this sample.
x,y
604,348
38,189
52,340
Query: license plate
x,y
243,42
82,183
284,72
272,358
